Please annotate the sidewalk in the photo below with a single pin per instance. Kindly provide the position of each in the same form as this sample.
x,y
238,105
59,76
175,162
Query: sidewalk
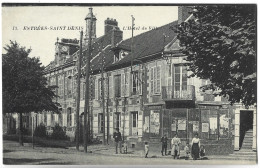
x,y
106,150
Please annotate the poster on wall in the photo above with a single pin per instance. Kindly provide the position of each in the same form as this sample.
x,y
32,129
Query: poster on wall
x,y
155,122
146,124
213,125
205,127
181,125
195,126
173,125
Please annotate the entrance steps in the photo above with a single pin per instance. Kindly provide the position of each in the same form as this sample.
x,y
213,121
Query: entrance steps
x,y
245,152
248,140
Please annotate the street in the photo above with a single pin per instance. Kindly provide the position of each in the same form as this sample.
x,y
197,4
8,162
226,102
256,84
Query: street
x,y
16,155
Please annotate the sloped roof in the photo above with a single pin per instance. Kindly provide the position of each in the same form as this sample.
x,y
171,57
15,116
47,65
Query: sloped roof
x,y
148,43
97,46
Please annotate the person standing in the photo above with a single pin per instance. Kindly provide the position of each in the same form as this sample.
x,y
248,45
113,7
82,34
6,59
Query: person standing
x,y
187,151
164,140
146,149
175,146
195,147
118,139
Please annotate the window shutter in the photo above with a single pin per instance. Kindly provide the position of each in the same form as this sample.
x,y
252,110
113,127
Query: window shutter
x,y
123,85
152,79
105,87
127,79
158,80
140,81
96,89
111,88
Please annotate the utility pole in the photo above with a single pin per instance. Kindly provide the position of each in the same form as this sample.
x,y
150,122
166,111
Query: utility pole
x,y
86,108
132,42
107,111
78,92
103,94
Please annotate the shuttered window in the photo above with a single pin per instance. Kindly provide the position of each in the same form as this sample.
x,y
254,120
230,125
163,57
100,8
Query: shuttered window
x,y
156,80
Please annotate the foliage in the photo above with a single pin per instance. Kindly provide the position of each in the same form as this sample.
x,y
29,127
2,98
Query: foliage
x,y
24,85
40,131
220,44
58,133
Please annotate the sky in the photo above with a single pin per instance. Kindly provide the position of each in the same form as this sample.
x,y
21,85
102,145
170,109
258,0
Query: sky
x,y
16,19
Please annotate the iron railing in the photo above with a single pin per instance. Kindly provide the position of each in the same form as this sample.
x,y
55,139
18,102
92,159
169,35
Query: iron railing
x,y
182,92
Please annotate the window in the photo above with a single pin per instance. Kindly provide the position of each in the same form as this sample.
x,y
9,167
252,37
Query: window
x,y
116,56
60,85
180,81
134,122
136,83
156,80
69,117
100,123
117,84
82,90
69,84
125,84
98,92
117,120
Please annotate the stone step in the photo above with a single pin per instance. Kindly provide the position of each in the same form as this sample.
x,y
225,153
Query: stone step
x,y
248,152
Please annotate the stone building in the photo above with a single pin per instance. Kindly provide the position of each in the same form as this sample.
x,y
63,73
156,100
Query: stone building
x,y
147,92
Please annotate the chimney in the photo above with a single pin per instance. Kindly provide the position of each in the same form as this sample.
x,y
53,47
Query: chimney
x,y
110,24
117,36
183,13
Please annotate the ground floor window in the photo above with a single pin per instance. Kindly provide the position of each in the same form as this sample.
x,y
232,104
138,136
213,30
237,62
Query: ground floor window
x,y
134,117
117,123
100,123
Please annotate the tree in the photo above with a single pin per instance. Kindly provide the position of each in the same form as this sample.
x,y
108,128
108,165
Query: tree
x,y
25,88
220,44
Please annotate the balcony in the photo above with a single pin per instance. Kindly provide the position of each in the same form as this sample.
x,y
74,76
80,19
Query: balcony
x,y
183,92
179,96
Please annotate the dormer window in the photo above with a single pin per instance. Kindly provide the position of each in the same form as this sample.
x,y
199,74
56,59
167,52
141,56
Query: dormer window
x,y
120,55
116,57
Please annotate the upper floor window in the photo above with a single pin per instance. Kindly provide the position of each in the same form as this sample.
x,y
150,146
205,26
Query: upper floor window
x,y
180,77
117,85
119,55
136,82
156,80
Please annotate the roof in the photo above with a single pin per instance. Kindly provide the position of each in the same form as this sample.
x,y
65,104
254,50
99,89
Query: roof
x,y
145,44
148,43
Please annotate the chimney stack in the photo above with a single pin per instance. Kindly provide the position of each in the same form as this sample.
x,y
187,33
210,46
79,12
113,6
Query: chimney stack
x,y
183,13
110,24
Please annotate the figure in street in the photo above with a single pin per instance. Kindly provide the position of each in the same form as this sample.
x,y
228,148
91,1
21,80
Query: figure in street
x,y
118,140
187,151
202,152
195,147
164,140
175,146
146,149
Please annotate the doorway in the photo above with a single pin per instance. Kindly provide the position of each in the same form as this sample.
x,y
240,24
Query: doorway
x,y
246,123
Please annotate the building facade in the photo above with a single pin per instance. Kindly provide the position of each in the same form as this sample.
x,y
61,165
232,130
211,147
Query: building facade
x,y
147,91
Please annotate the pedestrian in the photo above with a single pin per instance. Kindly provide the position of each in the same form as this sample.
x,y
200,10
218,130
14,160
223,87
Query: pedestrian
x,y
125,147
164,140
146,149
118,140
202,152
175,146
195,147
187,151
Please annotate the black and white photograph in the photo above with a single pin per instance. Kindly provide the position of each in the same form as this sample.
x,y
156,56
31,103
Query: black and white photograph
x,y
129,84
